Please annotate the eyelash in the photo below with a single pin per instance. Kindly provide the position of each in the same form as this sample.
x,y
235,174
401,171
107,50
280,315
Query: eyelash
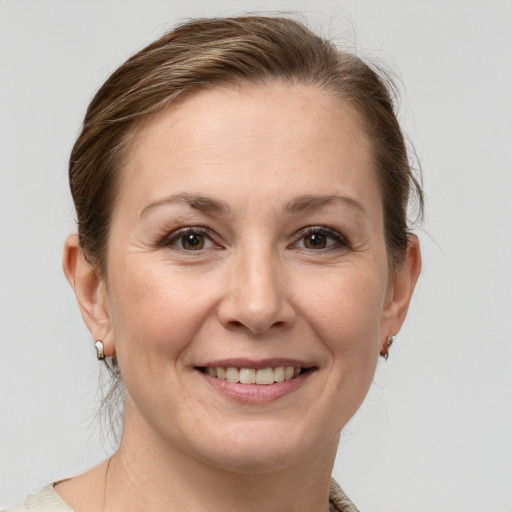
x,y
171,239
340,241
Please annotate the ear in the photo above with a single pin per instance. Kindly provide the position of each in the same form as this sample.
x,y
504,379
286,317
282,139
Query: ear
x,y
90,292
400,292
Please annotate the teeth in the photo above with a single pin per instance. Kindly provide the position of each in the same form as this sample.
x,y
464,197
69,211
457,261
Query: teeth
x,y
232,374
262,376
279,374
265,376
247,375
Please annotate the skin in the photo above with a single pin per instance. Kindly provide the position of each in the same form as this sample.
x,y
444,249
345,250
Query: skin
x,y
258,289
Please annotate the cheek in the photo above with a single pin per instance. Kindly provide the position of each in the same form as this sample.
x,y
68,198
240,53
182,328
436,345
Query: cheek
x,y
345,307
155,312
346,317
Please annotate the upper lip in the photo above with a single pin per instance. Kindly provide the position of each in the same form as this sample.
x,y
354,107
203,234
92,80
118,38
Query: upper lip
x,y
256,364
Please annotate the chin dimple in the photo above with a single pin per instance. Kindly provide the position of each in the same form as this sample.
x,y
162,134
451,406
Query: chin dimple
x,y
261,376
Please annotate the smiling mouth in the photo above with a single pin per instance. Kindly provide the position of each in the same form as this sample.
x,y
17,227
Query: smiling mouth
x,y
260,376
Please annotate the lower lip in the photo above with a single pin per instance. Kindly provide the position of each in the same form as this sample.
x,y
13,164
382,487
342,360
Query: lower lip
x,y
256,393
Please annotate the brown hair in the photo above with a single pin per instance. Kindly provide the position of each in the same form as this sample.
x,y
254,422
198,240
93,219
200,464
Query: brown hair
x,y
231,51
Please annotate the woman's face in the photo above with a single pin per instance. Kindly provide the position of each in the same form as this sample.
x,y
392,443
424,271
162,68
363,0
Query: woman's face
x,y
248,234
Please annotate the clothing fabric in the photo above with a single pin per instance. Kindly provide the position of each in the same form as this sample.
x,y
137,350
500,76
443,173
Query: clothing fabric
x,y
47,500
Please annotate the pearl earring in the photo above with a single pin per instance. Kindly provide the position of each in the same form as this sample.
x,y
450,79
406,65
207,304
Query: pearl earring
x,y
100,354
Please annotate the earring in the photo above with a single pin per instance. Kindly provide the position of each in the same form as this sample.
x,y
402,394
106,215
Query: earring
x,y
389,342
100,354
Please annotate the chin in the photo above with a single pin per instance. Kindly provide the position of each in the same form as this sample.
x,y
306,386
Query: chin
x,y
253,460
257,448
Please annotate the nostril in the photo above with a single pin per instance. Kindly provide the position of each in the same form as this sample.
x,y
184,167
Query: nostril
x,y
236,324
255,314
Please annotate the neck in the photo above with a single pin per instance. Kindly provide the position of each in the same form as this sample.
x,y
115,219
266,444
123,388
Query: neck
x,y
149,473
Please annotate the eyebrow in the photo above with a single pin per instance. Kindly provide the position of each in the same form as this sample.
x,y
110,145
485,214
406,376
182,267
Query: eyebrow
x,y
313,202
207,204
203,203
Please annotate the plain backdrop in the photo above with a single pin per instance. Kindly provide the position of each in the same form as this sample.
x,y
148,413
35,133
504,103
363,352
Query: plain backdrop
x,y
435,433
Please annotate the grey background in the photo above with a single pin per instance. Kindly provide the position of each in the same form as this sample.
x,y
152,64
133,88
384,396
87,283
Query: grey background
x,y
435,432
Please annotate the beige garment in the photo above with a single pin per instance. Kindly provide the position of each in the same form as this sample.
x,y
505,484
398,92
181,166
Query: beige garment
x,y
47,500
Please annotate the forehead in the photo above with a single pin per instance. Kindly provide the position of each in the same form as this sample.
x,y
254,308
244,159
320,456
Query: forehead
x,y
276,140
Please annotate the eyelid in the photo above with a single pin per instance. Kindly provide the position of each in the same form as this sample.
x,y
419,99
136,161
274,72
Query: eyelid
x,y
341,241
170,239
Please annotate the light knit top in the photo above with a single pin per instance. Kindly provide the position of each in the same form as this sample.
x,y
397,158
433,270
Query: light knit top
x,y
47,500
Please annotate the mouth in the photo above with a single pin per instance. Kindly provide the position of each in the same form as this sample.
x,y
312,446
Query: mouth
x,y
255,376
256,381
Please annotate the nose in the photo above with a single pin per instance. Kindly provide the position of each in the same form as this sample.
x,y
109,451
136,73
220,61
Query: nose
x,y
256,295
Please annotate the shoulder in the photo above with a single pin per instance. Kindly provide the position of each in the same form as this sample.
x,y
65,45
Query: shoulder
x,y
47,500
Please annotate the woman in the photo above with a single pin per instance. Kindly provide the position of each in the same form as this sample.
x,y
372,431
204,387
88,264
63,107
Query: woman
x,y
242,258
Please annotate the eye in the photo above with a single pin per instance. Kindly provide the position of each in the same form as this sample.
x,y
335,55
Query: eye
x,y
189,239
317,238
315,241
